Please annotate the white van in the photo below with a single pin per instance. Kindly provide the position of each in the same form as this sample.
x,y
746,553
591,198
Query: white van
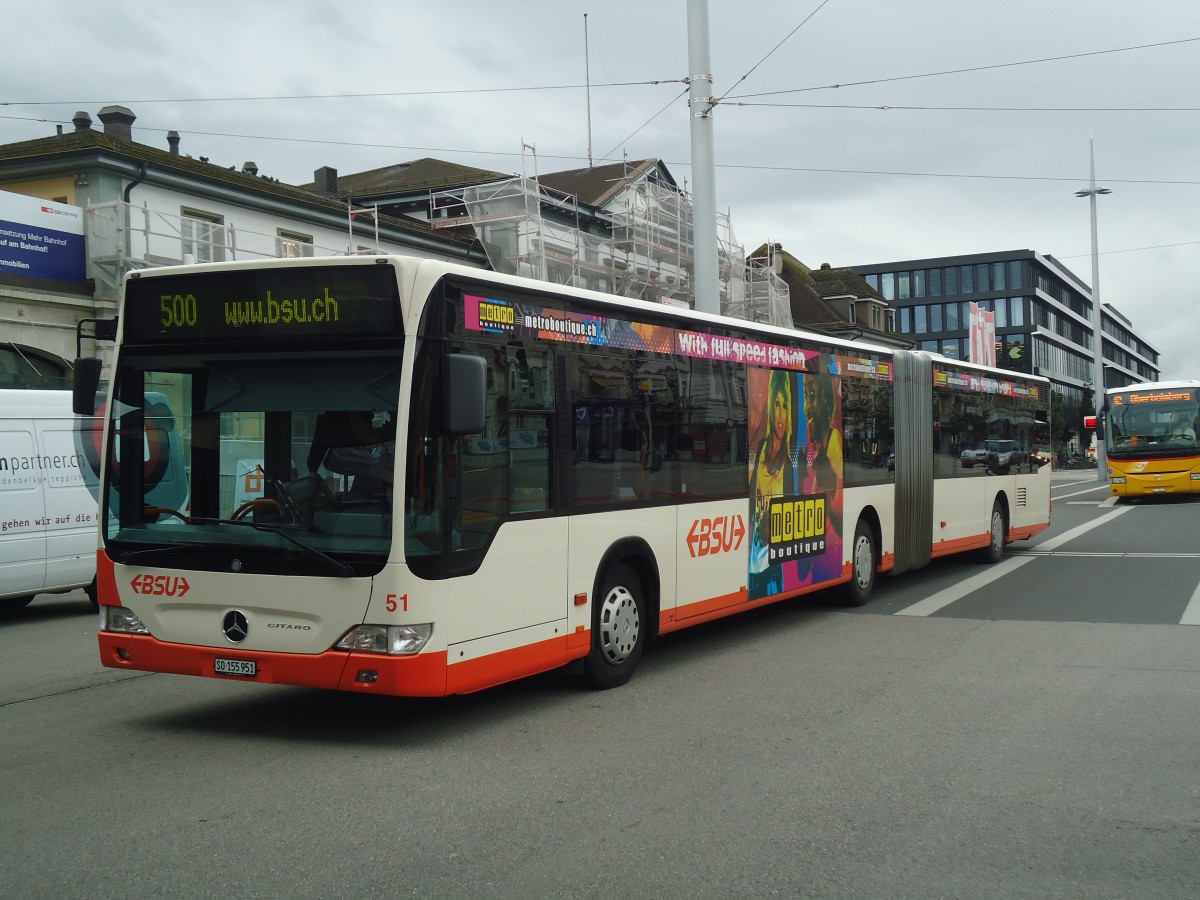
x,y
48,516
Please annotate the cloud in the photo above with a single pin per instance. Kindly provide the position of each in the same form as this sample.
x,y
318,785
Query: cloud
x,y
192,54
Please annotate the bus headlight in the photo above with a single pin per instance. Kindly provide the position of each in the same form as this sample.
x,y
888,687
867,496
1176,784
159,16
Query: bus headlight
x,y
1117,479
120,619
396,640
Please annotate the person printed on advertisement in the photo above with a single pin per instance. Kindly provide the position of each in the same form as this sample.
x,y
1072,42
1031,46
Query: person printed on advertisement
x,y
773,475
825,464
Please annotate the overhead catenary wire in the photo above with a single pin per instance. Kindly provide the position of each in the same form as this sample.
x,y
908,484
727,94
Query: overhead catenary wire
x,y
628,138
962,71
887,107
346,96
772,51
608,157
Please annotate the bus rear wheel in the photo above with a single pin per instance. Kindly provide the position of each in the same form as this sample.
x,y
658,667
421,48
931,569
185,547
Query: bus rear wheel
x,y
864,562
618,630
997,532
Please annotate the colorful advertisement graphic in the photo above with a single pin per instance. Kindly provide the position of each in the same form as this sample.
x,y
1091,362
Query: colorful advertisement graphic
x,y
41,238
538,323
795,478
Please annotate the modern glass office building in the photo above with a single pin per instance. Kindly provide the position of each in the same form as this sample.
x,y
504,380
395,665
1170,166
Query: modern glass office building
x,y
1043,316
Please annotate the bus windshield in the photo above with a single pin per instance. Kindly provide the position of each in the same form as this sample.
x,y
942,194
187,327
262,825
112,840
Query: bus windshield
x,y
280,462
1145,424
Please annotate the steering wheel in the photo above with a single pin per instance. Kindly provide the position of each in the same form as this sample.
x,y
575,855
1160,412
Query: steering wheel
x,y
257,503
164,511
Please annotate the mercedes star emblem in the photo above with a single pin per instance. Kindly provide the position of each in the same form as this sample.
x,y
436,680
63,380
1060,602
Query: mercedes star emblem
x,y
235,626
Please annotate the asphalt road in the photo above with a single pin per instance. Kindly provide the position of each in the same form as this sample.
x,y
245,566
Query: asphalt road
x,y
1032,735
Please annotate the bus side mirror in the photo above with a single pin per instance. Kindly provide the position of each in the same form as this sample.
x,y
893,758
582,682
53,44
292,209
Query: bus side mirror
x,y
86,378
464,393
84,383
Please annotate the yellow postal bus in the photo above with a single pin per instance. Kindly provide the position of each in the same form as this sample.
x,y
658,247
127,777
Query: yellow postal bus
x,y
1150,434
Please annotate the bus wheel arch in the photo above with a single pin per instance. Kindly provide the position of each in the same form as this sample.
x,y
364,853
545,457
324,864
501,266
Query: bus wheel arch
x,y
625,604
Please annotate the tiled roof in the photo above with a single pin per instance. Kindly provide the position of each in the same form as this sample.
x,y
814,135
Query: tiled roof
x,y
94,143
425,174
809,289
596,185
830,282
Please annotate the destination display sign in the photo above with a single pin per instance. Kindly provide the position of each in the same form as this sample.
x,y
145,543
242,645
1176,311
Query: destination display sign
x,y
1133,398
257,304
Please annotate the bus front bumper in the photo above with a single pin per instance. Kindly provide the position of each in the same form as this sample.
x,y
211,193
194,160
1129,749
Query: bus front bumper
x,y
422,675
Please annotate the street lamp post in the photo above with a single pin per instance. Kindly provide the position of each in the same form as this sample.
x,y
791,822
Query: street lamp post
x,y
1097,331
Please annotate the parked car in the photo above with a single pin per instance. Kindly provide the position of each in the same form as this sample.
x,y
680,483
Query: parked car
x,y
973,455
1000,455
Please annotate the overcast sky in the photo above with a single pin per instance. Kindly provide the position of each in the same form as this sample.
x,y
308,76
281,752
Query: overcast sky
x,y
1008,96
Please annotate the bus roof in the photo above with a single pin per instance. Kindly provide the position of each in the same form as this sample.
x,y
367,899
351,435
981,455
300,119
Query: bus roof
x,y
426,270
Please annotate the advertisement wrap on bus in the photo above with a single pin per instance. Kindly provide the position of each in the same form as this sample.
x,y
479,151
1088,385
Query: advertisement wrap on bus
x,y
415,478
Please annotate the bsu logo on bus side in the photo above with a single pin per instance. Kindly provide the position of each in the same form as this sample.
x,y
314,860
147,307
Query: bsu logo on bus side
x,y
720,534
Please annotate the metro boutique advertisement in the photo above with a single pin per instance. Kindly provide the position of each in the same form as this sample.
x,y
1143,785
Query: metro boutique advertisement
x,y
40,238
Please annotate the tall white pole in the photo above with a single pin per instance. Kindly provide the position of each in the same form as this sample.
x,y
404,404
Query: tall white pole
x,y
704,178
587,78
1097,324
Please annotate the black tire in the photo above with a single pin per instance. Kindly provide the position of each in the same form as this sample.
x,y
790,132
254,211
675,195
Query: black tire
x,y
618,630
12,604
92,595
997,535
864,565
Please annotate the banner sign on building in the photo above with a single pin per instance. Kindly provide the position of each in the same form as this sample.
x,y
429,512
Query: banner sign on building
x,y
41,238
982,324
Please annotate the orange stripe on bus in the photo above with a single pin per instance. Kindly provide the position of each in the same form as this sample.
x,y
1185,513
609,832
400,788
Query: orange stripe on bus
x,y
508,665
718,607
1027,531
959,545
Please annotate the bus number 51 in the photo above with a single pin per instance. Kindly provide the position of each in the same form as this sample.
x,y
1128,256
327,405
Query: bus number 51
x,y
394,602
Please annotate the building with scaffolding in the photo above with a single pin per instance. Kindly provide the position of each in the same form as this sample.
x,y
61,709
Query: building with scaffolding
x,y
622,228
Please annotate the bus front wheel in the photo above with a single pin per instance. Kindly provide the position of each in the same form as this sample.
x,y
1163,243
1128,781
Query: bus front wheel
x,y
618,630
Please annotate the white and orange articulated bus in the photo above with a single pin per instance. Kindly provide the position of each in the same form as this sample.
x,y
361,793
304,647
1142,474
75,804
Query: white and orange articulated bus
x,y
415,478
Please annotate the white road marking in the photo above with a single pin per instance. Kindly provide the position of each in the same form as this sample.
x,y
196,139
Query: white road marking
x,y
1191,613
1091,490
935,602
944,598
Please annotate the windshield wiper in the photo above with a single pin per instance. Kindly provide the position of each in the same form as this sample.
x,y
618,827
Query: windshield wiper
x,y
343,569
129,555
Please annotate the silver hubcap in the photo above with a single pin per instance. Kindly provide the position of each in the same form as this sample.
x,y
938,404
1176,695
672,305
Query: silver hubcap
x,y
997,530
619,625
863,562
